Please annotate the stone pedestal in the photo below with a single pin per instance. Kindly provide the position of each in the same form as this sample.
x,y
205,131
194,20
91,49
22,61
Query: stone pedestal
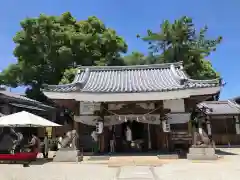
x,y
67,155
202,153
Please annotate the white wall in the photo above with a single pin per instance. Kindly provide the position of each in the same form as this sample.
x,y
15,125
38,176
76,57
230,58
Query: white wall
x,y
176,105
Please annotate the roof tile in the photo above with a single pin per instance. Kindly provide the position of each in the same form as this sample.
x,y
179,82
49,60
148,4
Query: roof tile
x,y
220,107
141,78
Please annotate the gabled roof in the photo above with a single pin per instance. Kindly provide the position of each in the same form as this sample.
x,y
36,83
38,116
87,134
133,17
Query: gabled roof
x,y
131,83
219,107
141,78
22,99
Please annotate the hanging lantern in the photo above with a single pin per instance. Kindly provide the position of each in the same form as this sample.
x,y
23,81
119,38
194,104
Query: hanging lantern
x,y
165,126
99,127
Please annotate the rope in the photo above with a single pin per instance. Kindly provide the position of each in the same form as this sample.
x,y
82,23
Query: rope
x,y
142,115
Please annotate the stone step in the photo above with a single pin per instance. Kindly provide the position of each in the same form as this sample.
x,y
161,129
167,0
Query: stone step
x,y
201,153
94,162
201,157
135,161
66,155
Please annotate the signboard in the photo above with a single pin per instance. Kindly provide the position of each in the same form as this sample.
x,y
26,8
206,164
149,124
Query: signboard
x,y
176,105
99,127
88,108
178,118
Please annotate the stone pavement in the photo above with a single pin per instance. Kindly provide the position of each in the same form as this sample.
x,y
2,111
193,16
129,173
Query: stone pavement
x,y
137,161
176,170
58,171
225,168
136,173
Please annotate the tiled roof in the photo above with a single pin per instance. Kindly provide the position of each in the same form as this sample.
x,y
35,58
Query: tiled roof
x,y
22,98
219,107
140,78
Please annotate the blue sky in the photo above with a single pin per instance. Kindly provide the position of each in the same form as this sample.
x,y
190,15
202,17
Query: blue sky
x,y
131,17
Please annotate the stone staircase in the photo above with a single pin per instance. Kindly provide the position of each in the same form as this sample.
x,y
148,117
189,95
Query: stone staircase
x,y
95,159
118,161
181,137
134,161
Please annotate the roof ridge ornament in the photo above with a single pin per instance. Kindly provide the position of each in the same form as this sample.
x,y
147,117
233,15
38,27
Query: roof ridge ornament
x,y
178,76
233,104
81,83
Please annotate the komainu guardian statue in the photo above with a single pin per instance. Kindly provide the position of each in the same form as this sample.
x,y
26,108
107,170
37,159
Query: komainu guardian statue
x,y
201,139
71,140
69,152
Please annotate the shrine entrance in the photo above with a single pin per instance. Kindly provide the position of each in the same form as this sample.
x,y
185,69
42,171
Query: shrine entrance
x,y
137,129
140,136
133,136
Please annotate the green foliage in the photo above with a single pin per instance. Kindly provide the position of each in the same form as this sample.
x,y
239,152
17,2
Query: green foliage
x,y
68,76
135,58
48,48
179,41
9,76
48,45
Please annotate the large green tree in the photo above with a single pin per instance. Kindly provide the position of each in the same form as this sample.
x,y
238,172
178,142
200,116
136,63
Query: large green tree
x,y
180,41
47,46
138,58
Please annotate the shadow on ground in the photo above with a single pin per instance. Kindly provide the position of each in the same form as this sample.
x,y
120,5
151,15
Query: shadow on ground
x,y
27,164
41,161
220,152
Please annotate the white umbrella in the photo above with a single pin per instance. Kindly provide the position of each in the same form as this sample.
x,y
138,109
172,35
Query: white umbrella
x,y
25,119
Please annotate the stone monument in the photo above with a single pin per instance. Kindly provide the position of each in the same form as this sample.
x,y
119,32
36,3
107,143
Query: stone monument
x,y
69,152
203,147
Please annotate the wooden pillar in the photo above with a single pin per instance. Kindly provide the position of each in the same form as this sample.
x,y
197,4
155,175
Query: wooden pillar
x,y
149,137
75,125
101,136
166,137
237,125
158,133
53,117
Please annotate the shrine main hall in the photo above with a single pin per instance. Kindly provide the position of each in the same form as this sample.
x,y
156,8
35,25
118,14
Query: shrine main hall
x,y
154,101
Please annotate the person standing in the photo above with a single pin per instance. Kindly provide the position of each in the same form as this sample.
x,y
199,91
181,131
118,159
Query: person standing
x,y
128,137
112,143
34,144
95,141
46,146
